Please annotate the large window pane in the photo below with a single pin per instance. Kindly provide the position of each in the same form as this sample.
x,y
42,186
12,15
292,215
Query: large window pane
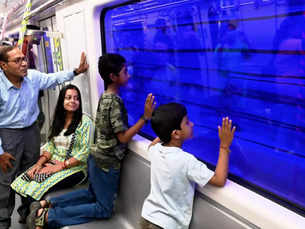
x,y
237,58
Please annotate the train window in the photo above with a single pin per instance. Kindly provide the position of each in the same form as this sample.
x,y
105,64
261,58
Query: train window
x,y
223,58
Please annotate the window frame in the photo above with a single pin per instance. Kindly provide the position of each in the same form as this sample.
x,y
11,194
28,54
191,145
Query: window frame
x,y
298,209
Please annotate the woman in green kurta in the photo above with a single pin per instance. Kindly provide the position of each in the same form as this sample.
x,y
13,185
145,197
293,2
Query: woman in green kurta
x,y
64,157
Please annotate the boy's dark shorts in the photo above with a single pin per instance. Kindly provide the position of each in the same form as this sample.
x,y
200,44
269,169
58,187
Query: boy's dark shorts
x,y
145,224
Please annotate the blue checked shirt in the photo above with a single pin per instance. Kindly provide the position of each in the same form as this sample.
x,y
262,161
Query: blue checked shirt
x,y
18,106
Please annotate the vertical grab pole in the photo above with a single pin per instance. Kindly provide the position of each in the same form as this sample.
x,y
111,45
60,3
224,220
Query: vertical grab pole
x,y
24,22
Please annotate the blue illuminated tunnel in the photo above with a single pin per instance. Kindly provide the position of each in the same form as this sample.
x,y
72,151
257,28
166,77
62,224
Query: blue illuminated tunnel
x,y
238,58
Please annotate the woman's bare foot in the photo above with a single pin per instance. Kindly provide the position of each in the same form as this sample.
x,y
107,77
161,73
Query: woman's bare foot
x,y
44,203
39,212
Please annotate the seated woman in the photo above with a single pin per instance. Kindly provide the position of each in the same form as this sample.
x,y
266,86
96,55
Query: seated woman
x,y
63,162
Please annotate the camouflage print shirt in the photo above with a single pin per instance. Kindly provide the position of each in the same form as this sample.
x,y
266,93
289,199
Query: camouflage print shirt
x,y
111,118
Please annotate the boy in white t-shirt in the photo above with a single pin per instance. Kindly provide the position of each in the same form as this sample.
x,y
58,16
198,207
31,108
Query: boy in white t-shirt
x,y
174,172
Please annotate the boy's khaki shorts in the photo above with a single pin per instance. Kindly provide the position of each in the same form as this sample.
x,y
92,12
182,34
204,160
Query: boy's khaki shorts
x,y
145,224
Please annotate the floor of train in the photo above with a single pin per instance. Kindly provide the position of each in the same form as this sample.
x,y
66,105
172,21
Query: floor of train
x,y
15,216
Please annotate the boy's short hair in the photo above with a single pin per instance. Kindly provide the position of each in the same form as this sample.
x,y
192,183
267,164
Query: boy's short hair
x,y
110,63
167,118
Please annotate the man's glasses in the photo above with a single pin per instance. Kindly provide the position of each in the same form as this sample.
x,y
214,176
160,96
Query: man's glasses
x,y
19,60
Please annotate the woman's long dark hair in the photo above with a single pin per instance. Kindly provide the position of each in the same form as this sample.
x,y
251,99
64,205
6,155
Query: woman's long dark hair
x,y
60,114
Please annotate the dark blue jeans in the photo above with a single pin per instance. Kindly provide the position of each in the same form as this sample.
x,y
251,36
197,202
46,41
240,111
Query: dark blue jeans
x,y
83,206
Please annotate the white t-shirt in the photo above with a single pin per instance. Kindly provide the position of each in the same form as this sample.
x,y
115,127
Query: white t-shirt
x,y
173,177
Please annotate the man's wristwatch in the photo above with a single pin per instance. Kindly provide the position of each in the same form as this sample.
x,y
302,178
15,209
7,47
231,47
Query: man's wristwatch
x,y
75,72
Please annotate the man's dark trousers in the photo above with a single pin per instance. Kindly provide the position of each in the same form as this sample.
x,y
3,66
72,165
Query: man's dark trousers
x,y
24,145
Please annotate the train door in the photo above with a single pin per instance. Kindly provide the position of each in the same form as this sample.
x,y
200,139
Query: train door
x,y
51,61
33,48
52,49
74,24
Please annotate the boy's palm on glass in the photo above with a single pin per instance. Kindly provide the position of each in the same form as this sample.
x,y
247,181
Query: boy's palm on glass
x,y
149,107
226,133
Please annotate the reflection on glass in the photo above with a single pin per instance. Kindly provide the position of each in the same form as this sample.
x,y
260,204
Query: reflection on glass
x,y
242,59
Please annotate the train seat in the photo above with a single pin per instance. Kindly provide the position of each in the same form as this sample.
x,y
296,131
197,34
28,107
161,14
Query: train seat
x,y
134,187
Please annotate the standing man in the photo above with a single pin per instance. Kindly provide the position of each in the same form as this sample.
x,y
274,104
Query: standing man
x,y
19,133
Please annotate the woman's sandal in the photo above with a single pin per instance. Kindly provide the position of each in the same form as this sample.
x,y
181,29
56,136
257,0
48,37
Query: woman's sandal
x,y
34,221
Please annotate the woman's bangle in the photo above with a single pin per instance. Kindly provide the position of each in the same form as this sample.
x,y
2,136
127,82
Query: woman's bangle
x,y
66,164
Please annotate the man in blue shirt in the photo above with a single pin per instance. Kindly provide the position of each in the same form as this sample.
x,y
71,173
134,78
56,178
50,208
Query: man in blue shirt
x,y
19,133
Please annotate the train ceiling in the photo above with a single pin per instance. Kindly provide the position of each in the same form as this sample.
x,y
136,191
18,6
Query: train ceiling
x,y
15,10
6,5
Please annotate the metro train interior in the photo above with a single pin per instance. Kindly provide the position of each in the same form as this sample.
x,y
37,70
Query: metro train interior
x,y
244,59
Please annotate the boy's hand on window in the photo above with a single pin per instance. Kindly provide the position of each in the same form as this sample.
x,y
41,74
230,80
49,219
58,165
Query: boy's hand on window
x,y
149,107
226,133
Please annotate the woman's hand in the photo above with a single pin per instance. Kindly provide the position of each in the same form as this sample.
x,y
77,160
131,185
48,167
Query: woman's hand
x,y
34,170
51,168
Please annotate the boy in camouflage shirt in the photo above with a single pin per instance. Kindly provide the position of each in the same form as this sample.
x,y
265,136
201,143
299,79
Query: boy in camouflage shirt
x,y
111,137
111,132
